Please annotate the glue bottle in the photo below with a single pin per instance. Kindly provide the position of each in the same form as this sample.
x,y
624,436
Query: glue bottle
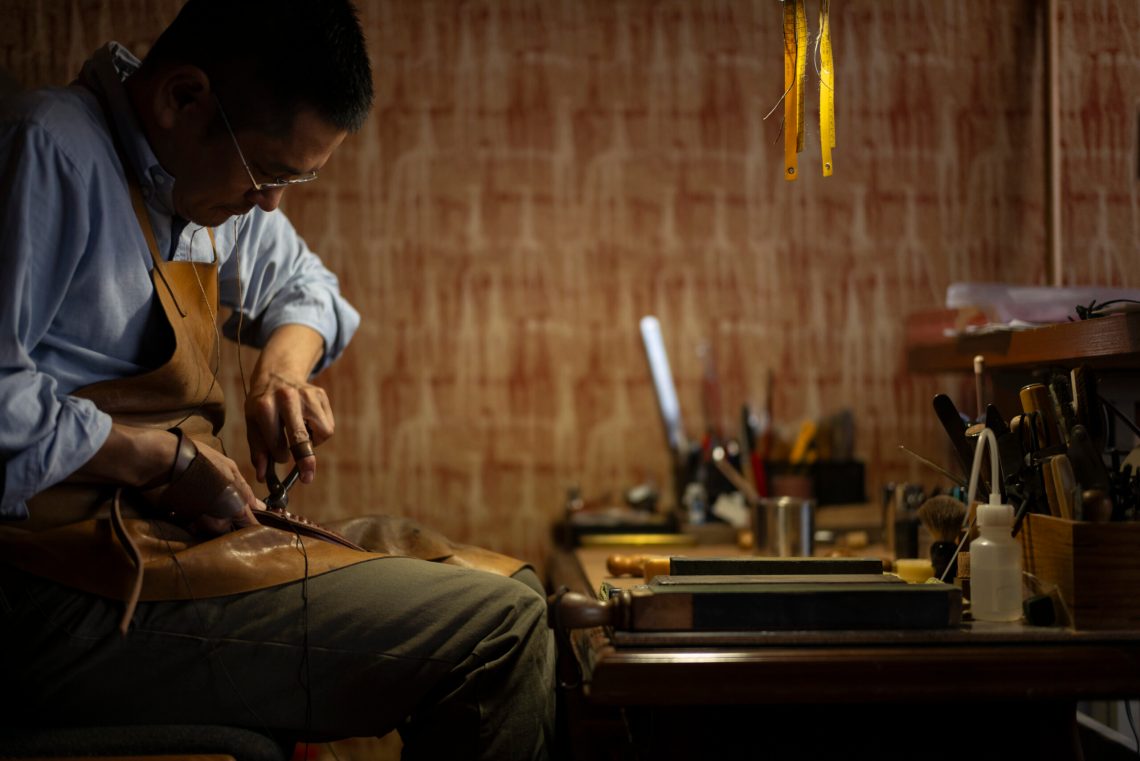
x,y
995,566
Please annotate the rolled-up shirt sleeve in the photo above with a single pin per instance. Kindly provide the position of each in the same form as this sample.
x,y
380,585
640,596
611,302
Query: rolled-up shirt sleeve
x,y
283,282
44,435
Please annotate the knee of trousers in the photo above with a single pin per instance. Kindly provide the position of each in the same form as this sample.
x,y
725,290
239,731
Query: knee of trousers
x,y
513,612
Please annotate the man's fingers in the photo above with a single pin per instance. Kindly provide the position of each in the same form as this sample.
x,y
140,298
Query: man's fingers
x,y
301,447
230,469
315,429
259,456
302,450
313,413
264,429
318,414
329,422
286,423
247,518
308,468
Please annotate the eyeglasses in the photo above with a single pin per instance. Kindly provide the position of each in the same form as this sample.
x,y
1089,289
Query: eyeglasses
x,y
277,182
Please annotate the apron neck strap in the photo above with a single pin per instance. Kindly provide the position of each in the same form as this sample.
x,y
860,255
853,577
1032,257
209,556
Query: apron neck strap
x,y
139,204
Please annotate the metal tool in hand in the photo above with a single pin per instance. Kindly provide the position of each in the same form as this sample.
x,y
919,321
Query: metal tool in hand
x,y
278,498
277,516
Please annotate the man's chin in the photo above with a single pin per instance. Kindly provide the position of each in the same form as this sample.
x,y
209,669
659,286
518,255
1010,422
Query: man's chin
x,y
217,215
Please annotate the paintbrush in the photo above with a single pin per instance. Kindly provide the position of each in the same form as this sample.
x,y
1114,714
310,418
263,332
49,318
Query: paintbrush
x,y
943,516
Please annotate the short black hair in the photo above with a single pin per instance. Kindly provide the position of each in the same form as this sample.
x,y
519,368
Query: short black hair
x,y
290,53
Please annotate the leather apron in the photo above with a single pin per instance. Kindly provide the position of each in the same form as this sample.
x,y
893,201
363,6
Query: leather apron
x,y
69,538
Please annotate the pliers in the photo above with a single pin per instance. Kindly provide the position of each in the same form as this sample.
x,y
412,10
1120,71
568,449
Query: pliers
x,y
278,498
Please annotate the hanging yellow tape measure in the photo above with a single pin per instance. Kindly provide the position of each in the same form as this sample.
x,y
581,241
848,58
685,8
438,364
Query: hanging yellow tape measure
x,y
826,88
795,68
801,71
795,76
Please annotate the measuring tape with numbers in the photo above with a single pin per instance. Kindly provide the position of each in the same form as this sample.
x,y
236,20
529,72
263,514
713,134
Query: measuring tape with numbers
x,y
826,88
795,70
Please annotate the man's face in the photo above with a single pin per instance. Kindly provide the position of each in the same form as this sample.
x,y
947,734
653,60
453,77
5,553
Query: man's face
x,y
213,185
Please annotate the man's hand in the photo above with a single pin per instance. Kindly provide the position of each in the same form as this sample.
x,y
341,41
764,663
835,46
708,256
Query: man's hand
x,y
286,416
230,510
208,524
142,458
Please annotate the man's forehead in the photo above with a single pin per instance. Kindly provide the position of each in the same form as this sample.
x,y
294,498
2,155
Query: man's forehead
x,y
305,147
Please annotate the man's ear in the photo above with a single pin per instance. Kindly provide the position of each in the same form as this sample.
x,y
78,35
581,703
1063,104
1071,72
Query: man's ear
x,y
182,98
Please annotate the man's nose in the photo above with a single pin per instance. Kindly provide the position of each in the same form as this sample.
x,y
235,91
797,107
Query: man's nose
x,y
267,199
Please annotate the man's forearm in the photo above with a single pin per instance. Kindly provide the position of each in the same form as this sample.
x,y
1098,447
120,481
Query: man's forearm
x,y
145,458
291,354
131,456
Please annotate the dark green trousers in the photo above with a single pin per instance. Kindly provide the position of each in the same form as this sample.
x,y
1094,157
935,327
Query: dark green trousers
x,y
461,662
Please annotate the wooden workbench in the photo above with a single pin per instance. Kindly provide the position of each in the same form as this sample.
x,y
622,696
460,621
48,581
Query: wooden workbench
x,y
886,694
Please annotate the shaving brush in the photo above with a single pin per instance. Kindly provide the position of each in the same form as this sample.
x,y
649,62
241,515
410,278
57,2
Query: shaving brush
x,y
943,515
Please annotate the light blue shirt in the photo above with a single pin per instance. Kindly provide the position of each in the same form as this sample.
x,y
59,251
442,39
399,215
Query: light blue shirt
x,y
76,299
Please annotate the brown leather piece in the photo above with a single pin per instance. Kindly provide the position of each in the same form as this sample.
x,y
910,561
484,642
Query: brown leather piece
x,y
395,535
283,519
176,565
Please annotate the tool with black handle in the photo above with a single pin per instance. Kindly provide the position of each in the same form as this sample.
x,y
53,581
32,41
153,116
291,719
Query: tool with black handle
x,y
1025,479
955,428
277,515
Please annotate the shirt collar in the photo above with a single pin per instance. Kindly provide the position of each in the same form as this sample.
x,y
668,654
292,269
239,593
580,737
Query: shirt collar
x,y
105,73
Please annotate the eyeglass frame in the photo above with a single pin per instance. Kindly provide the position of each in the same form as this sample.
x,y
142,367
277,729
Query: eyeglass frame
x,y
276,183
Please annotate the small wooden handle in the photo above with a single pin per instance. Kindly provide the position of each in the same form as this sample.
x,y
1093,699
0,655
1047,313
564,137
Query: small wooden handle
x,y
1031,397
625,565
1097,506
574,610
1050,482
1035,398
1064,485
655,566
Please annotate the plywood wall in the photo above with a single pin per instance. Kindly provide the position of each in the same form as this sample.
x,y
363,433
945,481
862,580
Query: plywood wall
x,y
539,174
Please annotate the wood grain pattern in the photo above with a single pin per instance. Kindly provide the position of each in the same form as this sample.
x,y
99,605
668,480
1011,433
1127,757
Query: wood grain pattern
x,y
1094,565
538,175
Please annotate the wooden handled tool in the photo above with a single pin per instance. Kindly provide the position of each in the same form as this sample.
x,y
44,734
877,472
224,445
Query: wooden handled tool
x,y
574,610
646,566
624,565
1035,398
1087,464
1086,405
1051,497
1065,487
1096,506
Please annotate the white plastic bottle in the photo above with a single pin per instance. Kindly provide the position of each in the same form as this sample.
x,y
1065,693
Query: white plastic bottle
x,y
995,566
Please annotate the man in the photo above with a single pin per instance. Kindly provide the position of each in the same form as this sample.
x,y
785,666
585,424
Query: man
x,y
131,201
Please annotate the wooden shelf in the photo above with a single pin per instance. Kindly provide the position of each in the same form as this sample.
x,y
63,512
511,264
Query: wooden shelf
x,y
1106,342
